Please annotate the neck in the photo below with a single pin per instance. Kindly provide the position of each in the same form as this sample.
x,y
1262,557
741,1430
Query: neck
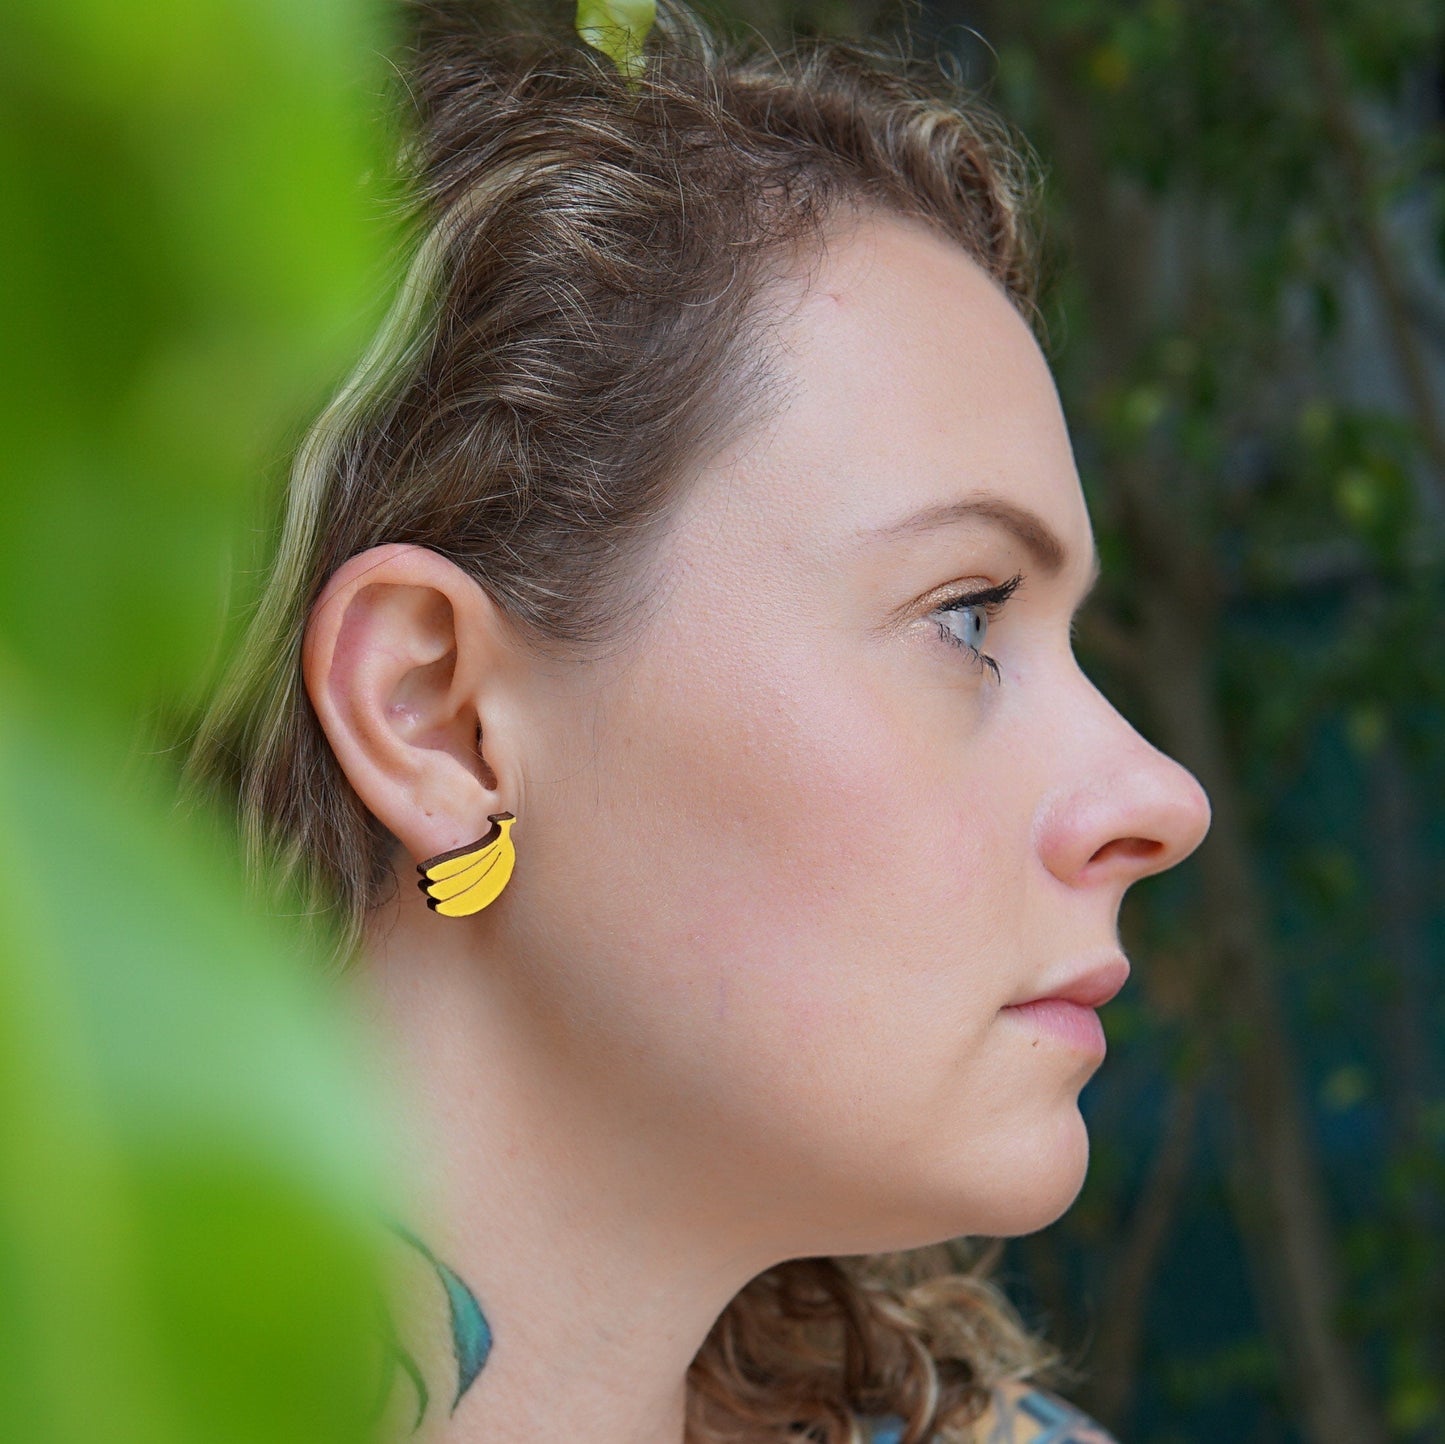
x,y
555,1276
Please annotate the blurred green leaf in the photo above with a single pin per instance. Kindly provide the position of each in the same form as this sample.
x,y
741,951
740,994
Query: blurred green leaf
x,y
187,1151
190,246
618,29
188,1155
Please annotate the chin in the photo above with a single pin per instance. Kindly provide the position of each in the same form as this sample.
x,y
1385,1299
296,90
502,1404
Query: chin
x,y
1030,1182
1002,1191
1047,1178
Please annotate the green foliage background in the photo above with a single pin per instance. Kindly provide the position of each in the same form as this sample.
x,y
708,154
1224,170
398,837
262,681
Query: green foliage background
x,y
187,1158
1247,209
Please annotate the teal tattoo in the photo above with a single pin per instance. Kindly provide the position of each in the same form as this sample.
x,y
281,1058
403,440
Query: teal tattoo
x,y
471,1335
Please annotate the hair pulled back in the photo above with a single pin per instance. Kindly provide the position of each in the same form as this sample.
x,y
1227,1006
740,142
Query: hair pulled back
x,y
582,322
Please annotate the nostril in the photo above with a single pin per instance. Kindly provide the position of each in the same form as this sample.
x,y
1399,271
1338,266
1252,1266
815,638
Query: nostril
x,y
1136,848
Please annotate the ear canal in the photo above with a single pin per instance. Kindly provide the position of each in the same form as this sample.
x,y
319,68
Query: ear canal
x,y
466,879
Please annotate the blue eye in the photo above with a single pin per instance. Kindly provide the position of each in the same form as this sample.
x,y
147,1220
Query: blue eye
x,y
971,627
973,612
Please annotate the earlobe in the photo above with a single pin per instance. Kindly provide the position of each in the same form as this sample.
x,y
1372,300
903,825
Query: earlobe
x,y
398,666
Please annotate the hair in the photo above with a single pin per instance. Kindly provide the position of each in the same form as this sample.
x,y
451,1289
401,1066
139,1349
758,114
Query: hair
x,y
582,323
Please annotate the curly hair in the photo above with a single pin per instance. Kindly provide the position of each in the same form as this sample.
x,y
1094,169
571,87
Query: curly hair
x,y
582,321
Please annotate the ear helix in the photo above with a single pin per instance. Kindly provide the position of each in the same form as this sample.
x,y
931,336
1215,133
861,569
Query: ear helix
x,y
464,880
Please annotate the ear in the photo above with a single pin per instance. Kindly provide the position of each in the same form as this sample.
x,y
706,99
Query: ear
x,y
407,662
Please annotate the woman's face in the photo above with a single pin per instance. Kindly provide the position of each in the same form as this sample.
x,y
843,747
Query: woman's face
x,y
783,866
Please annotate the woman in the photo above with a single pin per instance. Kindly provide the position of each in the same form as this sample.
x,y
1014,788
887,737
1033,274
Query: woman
x,y
683,588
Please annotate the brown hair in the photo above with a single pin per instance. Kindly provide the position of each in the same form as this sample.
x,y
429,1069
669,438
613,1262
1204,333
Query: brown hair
x,y
582,322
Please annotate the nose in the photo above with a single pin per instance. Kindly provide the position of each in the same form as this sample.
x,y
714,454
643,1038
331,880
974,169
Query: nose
x,y
1126,811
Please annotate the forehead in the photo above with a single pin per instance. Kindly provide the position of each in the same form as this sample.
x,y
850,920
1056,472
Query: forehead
x,y
911,381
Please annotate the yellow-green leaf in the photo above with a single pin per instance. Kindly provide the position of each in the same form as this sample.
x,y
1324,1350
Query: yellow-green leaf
x,y
617,28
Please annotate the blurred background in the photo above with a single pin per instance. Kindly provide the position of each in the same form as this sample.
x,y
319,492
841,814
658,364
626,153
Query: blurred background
x,y
1245,206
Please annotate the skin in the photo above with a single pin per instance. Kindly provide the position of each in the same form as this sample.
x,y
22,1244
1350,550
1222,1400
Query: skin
x,y
781,864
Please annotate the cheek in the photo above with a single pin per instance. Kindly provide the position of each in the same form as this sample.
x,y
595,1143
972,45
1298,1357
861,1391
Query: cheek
x,y
772,795
779,900
790,769
826,917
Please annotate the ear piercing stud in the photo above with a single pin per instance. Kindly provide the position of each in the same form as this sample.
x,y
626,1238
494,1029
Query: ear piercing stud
x,y
464,880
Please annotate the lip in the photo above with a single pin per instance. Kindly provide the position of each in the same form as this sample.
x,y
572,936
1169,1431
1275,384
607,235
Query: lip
x,y
1076,1027
1090,988
1066,1011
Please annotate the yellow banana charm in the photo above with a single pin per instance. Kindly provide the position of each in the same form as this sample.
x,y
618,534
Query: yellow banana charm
x,y
466,879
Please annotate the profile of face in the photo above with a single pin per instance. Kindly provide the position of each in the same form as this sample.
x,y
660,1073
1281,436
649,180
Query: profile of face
x,y
786,861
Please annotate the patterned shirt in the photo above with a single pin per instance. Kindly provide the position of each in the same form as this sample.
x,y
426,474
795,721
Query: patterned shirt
x,y
1019,1414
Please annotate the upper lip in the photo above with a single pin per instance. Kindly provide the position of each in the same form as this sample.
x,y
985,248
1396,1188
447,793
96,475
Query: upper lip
x,y
1090,987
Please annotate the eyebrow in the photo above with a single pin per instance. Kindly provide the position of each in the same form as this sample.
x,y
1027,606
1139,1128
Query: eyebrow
x,y
1028,528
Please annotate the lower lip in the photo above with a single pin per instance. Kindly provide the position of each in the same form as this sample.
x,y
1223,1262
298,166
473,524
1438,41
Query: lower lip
x,y
1069,1023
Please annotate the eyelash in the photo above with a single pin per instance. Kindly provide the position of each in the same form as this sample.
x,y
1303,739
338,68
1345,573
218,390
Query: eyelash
x,y
991,599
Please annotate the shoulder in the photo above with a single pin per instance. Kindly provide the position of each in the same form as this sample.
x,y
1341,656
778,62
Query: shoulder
x,y
1019,1413
1023,1413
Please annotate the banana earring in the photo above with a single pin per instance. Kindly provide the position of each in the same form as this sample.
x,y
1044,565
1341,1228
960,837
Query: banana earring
x,y
466,879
